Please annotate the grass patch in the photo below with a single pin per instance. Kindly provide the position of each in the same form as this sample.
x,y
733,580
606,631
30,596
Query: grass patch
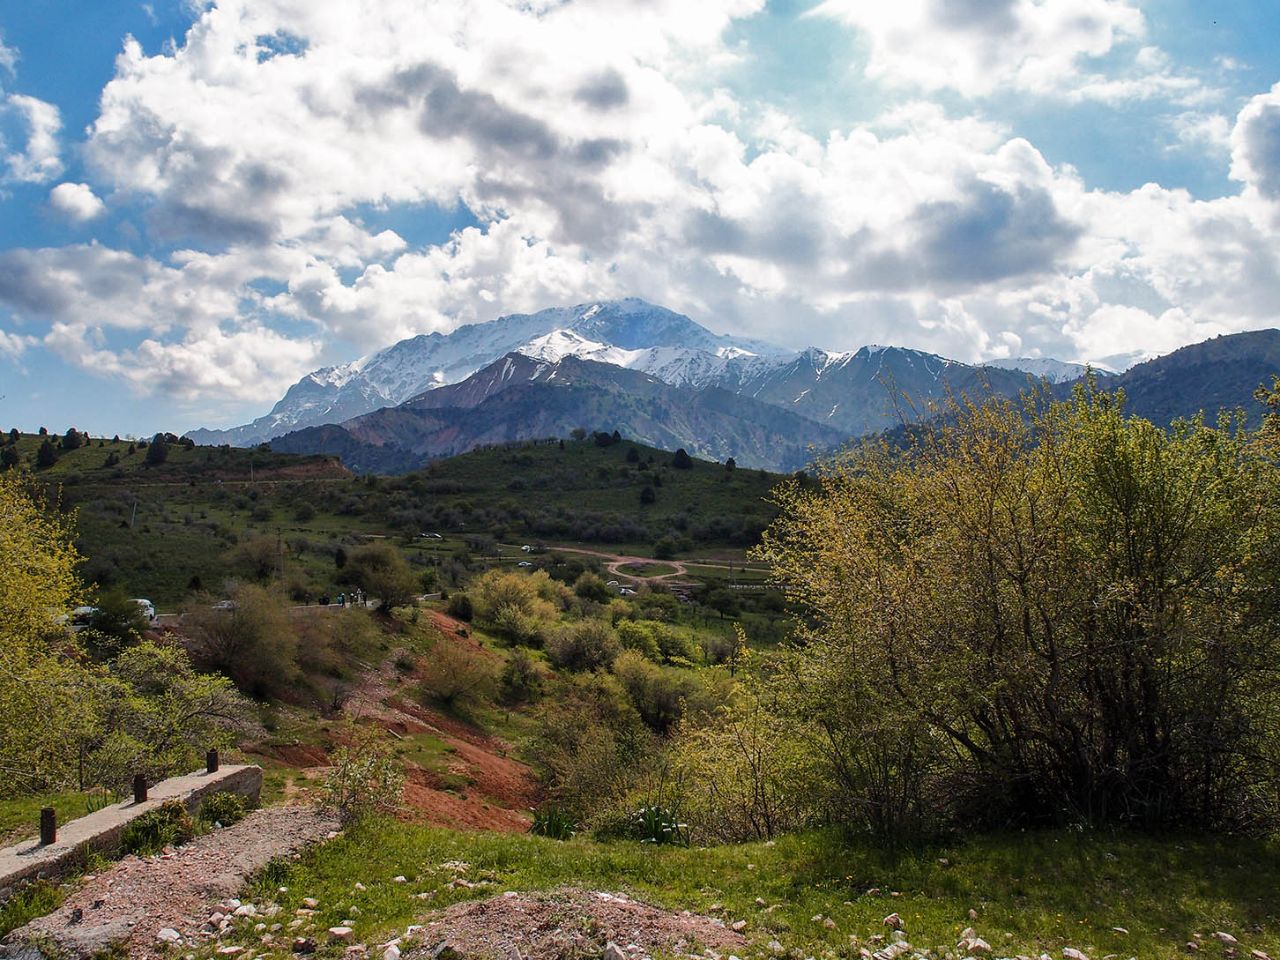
x,y
34,900
1032,892
647,569
20,816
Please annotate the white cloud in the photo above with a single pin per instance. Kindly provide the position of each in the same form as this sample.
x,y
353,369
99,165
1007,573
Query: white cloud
x,y
213,362
37,160
8,57
77,201
595,146
13,345
1043,47
1255,145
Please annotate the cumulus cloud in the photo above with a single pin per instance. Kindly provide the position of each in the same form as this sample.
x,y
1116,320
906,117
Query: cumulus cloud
x,y
77,201
1255,144
600,157
35,157
1043,47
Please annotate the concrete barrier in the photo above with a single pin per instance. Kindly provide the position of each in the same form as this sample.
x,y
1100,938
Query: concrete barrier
x,y
99,832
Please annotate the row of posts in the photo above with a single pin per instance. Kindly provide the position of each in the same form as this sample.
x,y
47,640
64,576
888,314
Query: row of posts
x,y
49,816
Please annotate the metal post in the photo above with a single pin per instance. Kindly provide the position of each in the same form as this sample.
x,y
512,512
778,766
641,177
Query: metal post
x,y
140,788
211,761
48,826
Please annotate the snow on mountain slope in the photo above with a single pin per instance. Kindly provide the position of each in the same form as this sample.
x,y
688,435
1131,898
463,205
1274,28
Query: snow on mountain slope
x,y
406,369
1045,368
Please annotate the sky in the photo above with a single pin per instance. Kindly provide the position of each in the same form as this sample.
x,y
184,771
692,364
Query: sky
x,y
203,200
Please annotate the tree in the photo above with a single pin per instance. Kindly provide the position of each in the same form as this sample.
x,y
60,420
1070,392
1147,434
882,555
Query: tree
x,y
46,456
257,557
252,641
665,548
578,433
9,457
14,435
72,439
47,695
633,455
730,465
116,623
158,451
647,495
681,460
1040,611
382,572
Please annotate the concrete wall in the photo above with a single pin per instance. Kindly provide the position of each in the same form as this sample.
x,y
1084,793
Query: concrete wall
x,y
100,831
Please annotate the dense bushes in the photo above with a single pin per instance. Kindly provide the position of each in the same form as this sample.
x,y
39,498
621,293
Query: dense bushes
x,y
1040,613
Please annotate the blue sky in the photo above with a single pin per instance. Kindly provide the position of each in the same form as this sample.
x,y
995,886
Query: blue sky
x,y
200,202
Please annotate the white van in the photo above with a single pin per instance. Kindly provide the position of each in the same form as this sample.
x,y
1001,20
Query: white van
x,y
148,608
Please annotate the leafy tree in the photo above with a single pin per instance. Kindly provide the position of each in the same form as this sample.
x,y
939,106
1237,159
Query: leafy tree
x,y
383,573
46,456
9,457
633,455
14,434
1040,611
72,439
252,641
43,432
158,451
730,465
647,495
117,623
665,548
590,586
681,460
256,557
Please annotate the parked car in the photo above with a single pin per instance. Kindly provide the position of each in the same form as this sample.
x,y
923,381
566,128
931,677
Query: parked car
x,y
81,617
524,563
227,605
148,608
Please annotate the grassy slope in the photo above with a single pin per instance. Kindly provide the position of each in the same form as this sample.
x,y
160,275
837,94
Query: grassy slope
x,y
153,529
1032,892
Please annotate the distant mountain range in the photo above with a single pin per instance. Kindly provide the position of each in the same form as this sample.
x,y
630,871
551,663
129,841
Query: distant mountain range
x,y
659,377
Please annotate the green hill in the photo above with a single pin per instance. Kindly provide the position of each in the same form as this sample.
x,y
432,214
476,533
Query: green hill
x,y
206,513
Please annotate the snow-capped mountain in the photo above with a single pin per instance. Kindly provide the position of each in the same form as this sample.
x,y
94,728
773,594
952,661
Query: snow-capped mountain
x,y
1043,368
853,392
410,367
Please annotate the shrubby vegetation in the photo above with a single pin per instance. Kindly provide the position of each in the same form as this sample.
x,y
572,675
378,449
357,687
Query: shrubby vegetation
x,y
1042,612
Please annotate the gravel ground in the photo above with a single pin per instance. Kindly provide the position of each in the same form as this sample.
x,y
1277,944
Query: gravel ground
x,y
131,902
567,923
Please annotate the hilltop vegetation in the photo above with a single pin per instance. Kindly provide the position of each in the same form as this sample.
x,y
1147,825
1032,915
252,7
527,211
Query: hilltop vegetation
x,y
197,519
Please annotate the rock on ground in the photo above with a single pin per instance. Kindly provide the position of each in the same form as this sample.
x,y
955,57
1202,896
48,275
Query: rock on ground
x,y
129,904
566,922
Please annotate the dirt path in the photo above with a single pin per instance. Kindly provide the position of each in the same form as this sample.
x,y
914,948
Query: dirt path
x,y
127,905
614,562
500,789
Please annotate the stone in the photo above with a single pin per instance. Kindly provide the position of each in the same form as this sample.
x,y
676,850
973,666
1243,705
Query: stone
x,y
230,950
244,910
310,902
340,933
359,886
400,879
169,935
892,920
1225,938
614,952
304,945
1071,953
738,926
829,923
391,953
